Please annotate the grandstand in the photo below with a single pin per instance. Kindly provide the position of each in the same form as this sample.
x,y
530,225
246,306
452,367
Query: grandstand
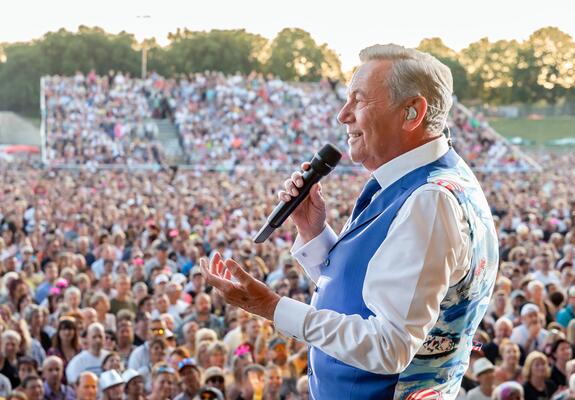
x,y
197,119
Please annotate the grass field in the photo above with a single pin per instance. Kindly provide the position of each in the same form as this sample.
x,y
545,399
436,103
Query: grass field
x,y
540,131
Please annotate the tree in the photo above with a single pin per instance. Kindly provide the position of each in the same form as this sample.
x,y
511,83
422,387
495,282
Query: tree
x,y
295,56
20,78
229,51
490,67
553,53
437,48
448,56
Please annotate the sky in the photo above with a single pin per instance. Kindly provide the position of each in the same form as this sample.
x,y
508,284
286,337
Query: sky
x,y
346,26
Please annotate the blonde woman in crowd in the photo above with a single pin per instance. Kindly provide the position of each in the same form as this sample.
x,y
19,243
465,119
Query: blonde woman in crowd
x,y
536,373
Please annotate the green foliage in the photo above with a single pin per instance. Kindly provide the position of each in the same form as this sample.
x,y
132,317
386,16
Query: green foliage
x,y
229,51
20,78
539,69
446,55
295,56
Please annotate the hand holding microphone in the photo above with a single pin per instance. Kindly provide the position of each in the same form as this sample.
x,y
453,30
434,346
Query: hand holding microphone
x,y
308,212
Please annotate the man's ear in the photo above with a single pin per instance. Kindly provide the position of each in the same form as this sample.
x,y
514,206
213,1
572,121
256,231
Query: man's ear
x,y
414,112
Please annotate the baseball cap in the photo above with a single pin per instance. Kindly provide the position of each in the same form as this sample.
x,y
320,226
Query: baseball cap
x,y
179,278
187,362
517,293
275,342
196,271
130,374
162,278
482,365
110,378
529,308
213,372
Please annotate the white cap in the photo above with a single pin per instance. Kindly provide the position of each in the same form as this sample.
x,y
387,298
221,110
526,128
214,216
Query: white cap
x,y
161,279
179,278
482,365
529,308
130,374
110,378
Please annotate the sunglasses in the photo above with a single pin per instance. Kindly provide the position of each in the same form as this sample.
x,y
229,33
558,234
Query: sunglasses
x,y
217,380
159,331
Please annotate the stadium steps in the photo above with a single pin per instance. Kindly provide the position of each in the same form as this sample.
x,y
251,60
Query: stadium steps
x,y
169,139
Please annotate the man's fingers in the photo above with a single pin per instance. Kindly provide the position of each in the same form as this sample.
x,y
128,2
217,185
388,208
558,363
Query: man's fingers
x,y
238,272
214,263
296,179
228,274
214,280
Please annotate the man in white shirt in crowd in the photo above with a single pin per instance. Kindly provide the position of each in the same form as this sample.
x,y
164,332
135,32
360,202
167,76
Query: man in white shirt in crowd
x,y
483,370
530,335
140,357
91,358
402,289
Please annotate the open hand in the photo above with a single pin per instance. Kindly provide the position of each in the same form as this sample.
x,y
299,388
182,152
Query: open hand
x,y
247,292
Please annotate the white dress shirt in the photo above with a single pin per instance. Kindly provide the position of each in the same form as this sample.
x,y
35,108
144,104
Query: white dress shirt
x,y
427,250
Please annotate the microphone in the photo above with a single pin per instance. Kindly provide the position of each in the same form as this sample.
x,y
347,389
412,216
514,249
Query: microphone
x,y
322,163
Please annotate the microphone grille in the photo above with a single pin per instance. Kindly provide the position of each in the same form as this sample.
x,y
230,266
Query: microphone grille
x,y
330,154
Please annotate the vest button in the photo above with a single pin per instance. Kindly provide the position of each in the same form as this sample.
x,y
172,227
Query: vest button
x,y
309,371
326,263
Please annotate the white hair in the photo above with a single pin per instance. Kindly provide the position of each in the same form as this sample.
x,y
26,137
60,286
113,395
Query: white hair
x,y
415,73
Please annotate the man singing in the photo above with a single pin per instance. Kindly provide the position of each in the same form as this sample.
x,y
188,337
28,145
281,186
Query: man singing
x,y
401,290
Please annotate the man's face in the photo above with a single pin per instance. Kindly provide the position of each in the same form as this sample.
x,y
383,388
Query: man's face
x,y
162,303
136,386
35,390
123,285
279,354
203,305
52,373
157,329
115,392
530,318
372,122
190,378
24,370
96,339
125,331
87,388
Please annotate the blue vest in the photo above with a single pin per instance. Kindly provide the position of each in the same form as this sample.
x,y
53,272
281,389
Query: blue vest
x,y
442,360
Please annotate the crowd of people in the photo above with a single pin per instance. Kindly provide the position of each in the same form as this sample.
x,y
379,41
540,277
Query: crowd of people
x,y
223,121
103,296
91,119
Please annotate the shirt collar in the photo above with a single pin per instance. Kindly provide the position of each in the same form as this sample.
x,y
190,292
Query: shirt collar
x,y
400,166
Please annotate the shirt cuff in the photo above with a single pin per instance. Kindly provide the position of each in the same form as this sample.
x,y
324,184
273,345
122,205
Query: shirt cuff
x,y
290,316
315,251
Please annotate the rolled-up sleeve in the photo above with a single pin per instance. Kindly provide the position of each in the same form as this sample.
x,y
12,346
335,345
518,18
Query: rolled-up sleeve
x,y
427,249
